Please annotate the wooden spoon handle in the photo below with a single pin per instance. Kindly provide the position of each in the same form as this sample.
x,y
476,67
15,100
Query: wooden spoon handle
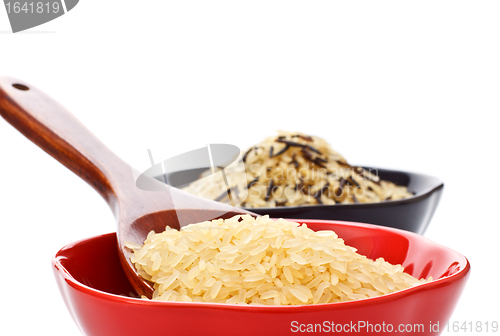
x,y
54,129
50,126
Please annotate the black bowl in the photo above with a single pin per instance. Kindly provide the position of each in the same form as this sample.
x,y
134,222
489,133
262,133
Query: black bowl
x,y
411,214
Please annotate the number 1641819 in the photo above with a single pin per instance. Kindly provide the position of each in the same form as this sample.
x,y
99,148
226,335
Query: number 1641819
x,y
32,7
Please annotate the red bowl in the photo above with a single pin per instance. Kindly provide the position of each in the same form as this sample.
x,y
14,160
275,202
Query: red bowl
x,y
102,302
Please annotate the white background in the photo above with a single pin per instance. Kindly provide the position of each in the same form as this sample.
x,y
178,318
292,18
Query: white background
x,y
410,86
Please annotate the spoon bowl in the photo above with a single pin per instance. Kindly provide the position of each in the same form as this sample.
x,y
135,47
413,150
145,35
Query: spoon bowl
x,y
55,130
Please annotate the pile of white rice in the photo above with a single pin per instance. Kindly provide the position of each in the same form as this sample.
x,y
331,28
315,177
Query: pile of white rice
x,y
294,169
259,261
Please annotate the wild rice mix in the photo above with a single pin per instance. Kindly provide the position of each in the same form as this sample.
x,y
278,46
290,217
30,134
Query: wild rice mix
x,y
293,169
243,260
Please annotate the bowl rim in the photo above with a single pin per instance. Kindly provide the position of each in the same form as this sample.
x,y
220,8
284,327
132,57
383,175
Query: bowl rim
x,y
443,281
436,185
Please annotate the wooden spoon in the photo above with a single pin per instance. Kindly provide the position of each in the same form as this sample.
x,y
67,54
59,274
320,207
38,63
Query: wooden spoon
x,y
50,126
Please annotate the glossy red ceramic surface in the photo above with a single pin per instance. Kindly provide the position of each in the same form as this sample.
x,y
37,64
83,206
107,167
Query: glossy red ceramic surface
x,y
102,302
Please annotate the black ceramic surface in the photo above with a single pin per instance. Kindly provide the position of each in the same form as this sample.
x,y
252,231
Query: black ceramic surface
x,y
411,214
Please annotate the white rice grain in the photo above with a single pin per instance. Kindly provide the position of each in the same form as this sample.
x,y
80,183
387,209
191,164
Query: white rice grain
x,y
259,261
